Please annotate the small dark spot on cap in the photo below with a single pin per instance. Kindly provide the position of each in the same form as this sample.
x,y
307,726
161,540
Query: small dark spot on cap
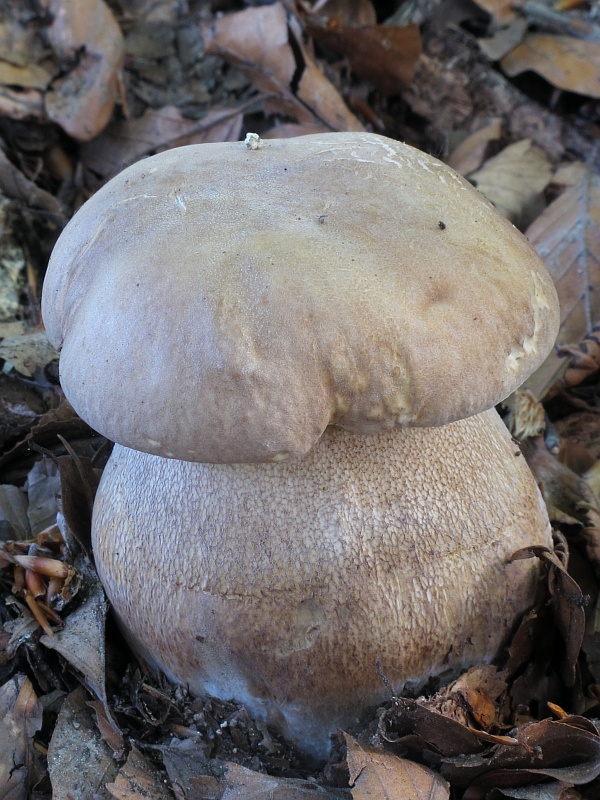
x,y
442,225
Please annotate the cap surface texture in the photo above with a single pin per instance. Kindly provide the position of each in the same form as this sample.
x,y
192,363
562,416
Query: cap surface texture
x,y
219,304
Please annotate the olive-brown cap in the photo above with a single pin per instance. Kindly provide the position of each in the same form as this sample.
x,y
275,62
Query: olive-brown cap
x,y
224,304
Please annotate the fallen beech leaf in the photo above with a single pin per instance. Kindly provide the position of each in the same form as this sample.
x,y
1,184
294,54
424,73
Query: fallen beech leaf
x,y
566,750
28,353
14,184
514,179
568,603
13,513
566,62
504,39
79,761
82,101
263,45
31,76
20,719
290,129
570,174
379,775
386,55
43,490
562,488
138,779
469,154
411,725
82,642
567,237
125,141
194,777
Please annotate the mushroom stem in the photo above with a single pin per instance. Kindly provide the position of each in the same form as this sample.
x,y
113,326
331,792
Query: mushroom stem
x,y
282,585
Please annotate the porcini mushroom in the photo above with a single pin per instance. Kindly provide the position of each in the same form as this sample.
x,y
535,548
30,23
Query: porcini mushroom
x,y
297,348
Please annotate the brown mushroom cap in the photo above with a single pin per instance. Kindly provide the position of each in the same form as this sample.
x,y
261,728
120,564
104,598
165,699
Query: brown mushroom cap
x,y
282,585
220,304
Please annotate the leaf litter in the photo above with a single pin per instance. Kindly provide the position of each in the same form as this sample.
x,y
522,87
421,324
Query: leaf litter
x,y
83,92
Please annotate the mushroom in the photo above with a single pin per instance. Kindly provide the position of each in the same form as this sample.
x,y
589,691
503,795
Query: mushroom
x,y
298,348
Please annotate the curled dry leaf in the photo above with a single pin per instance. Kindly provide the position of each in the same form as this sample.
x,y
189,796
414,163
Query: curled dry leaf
x,y
87,37
514,179
411,726
125,141
469,154
264,46
567,237
379,775
567,750
568,603
386,55
566,62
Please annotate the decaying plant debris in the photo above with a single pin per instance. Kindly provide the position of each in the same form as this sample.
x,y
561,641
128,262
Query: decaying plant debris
x,y
508,96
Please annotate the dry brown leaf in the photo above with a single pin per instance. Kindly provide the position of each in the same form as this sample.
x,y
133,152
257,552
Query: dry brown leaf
x,y
82,642
514,179
32,76
567,237
568,602
469,154
386,55
82,101
379,775
504,39
20,718
566,62
290,129
257,40
124,142
139,779
14,184
539,754
79,761
28,352
194,777
571,174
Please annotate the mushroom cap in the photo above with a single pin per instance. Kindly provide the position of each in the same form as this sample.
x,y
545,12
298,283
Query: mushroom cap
x,y
219,304
282,585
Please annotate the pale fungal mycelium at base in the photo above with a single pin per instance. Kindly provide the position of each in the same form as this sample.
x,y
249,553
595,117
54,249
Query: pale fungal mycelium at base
x,y
296,347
